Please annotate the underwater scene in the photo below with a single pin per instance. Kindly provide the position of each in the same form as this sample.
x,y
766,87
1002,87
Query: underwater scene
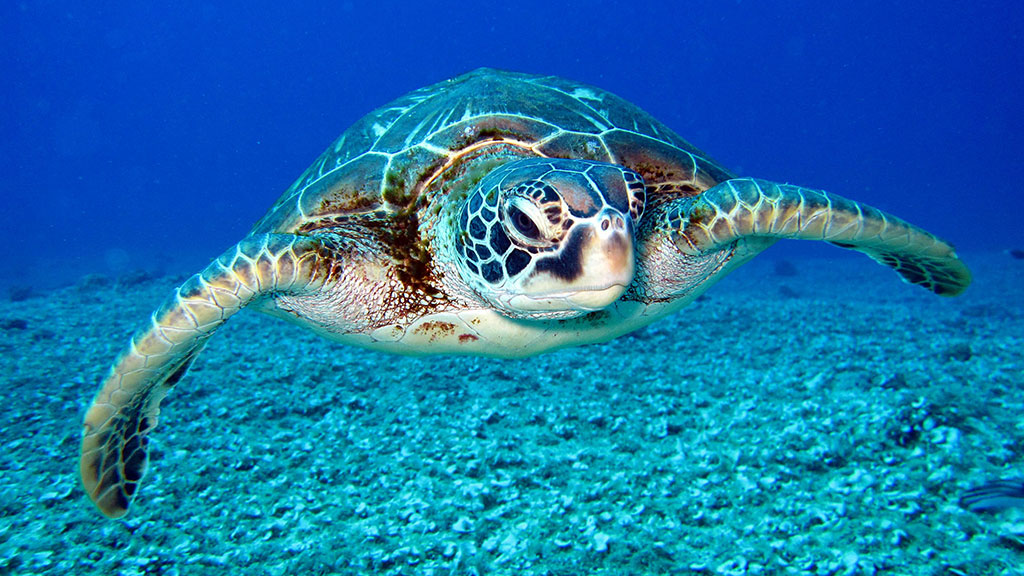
x,y
464,289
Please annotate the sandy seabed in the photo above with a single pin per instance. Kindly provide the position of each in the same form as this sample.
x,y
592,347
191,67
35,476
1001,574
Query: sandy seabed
x,y
818,423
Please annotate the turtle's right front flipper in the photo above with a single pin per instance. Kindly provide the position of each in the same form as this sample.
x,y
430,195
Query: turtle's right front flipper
x,y
750,208
114,441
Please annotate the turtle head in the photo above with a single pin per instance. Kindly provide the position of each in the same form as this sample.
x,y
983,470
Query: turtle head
x,y
551,238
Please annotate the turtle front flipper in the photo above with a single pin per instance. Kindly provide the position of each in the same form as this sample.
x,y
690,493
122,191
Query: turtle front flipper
x,y
124,412
748,208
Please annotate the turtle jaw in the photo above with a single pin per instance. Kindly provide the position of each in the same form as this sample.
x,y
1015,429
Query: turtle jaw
x,y
581,301
594,300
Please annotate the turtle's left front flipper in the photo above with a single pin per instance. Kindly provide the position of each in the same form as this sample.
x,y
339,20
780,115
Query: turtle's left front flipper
x,y
746,207
114,440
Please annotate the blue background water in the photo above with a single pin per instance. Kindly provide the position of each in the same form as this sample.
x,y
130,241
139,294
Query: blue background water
x,y
154,135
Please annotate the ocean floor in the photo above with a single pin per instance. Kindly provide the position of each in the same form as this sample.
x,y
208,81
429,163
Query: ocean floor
x,y
815,418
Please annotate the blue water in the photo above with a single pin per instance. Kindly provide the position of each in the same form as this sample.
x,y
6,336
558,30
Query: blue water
x,y
143,136
152,136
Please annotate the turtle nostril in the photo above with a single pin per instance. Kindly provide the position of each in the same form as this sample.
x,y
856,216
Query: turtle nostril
x,y
612,222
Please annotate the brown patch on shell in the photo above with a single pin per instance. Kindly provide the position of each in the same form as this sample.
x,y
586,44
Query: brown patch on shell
x,y
408,174
350,189
663,164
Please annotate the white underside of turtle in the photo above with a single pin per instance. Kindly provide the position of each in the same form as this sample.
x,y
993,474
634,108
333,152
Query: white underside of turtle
x,y
494,214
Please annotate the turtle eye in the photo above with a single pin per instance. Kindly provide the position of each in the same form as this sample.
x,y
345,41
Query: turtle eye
x,y
527,224
524,224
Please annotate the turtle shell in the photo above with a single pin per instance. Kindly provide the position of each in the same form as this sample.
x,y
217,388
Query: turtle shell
x,y
389,159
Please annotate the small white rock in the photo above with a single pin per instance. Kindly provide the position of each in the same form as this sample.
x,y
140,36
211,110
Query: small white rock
x,y
735,567
850,559
508,545
491,544
463,525
601,542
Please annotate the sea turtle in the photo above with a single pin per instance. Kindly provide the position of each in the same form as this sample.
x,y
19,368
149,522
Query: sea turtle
x,y
497,214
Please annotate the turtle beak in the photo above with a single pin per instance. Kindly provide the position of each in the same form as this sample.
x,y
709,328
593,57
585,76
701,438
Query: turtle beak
x,y
593,270
608,263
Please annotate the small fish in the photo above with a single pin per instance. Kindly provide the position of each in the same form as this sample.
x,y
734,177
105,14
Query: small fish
x,y
995,495
1016,253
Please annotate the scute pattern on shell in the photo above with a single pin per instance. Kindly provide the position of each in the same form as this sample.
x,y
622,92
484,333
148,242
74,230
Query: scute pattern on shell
x,y
382,161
